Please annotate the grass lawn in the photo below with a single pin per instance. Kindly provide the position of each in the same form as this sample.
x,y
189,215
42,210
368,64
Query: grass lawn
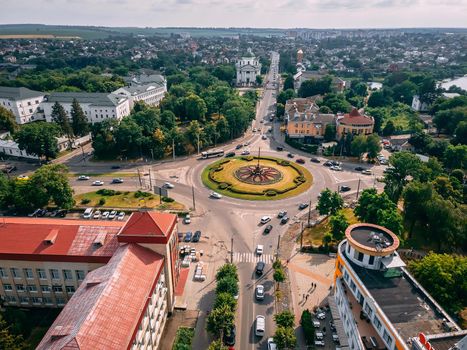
x,y
314,235
126,200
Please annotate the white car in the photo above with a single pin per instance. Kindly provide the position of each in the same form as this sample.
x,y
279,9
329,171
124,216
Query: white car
x,y
83,177
335,337
187,219
255,130
260,325
265,219
271,344
168,185
121,216
105,215
264,137
319,343
321,316
97,214
112,215
98,183
259,249
366,172
259,292
215,195
245,152
335,168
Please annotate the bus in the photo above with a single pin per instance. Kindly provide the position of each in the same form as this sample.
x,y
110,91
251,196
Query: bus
x,y
211,154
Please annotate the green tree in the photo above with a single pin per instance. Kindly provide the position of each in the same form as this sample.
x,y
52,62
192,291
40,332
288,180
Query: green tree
x,y
449,119
279,275
403,166
329,132
39,139
225,72
404,92
227,285
220,320
289,82
315,87
285,338
285,95
456,157
329,202
7,339
168,120
128,137
60,117
416,195
389,128
358,145
336,103
280,109
79,121
338,224
227,270
225,299
195,107
259,80
285,319
308,328
461,133
380,98
444,186
458,174
373,146
217,345
7,120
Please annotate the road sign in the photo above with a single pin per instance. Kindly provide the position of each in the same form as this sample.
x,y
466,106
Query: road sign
x,y
161,191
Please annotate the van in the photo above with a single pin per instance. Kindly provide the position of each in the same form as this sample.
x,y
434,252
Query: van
x,y
260,325
87,213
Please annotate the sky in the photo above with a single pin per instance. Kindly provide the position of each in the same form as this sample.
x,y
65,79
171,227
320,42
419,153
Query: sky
x,y
239,13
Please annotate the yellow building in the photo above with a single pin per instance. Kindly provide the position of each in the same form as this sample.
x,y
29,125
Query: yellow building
x,y
354,123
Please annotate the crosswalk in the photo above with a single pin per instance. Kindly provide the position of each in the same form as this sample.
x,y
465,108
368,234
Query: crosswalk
x,y
252,258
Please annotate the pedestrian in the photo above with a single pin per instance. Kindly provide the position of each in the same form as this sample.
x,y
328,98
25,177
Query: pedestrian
x,y
306,298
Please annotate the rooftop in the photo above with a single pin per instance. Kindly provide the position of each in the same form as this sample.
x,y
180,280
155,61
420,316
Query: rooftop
x,y
93,98
58,239
355,117
150,224
21,93
372,238
106,309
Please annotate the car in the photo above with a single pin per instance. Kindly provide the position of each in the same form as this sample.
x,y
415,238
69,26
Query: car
x,y
281,214
344,188
168,185
121,216
316,324
88,213
319,335
247,143
115,167
327,163
321,316
336,168
187,219
215,195
264,137
271,344
260,325
335,338
245,152
261,121
83,178
336,163
196,236
230,154
112,214
279,148
265,219
315,160
188,236
9,169
259,249
229,336
267,229
117,181
259,292
97,214
284,220
22,178
366,172
383,161
255,130
98,183
319,343
359,168
290,155
105,215
260,267
300,161
238,146
302,206
61,213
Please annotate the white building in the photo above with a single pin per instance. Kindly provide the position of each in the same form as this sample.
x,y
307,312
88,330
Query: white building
x,y
418,105
151,94
97,107
247,70
22,102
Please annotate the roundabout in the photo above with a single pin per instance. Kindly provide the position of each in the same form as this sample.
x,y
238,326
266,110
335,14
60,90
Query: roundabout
x,y
256,178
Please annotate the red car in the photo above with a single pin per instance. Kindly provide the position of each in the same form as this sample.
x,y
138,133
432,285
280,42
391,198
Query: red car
x,y
300,161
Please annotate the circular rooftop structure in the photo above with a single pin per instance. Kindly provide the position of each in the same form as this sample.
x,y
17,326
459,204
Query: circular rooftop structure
x,y
372,239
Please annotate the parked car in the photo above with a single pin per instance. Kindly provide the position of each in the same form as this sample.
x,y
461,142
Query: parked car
x,y
265,219
260,267
117,181
255,130
302,206
264,137
281,214
230,154
168,185
188,236
319,335
83,178
336,168
360,168
267,229
105,215
88,213
366,172
22,178
112,215
259,249
344,188
321,316
245,152
383,161
229,336
335,338
121,216
284,220
260,325
327,163
115,167
215,195
316,324
61,213
271,344
319,343
239,146
97,214
196,236
98,183
259,292
279,148
290,155
187,219
300,161
315,160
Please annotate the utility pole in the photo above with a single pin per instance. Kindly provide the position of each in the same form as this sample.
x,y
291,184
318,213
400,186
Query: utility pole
x,y
309,213
231,250
278,244
301,237
152,154
173,149
139,177
160,195
193,194
358,187
198,142
150,179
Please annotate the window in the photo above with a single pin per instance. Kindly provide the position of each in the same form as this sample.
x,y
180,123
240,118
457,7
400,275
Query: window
x,y
3,272
15,272
54,274
70,289
368,310
67,275
348,248
377,323
41,273
10,299
360,256
7,287
31,288
47,300
58,289
60,301
45,288
372,260
352,285
20,288
79,275
24,300
36,300
387,338
28,273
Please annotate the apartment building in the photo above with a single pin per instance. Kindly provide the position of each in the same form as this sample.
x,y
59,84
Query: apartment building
x,y
22,102
115,280
97,107
304,121
376,302
355,122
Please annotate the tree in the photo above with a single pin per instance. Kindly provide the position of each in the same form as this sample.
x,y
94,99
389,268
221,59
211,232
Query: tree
x,y
380,98
60,117
279,275
329,132
128,137
225,299
461,133
225,72
315,87
329,202
285,319
195,107
227,270
444,186
416,195
285,338
449,119
404,92
285,95
227,285
373,146
7,120
403,165
289,82
217,345
79,121
336,103
280,109
39,139
259,80
389,128
219,320
7,339
358,145
308,327
338,224
458,174
456,157
444,278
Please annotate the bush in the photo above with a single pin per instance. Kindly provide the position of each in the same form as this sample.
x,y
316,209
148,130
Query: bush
x,y
299,179
85,201
106,192
270,193
168,199
183,339
101,201
223,186
283,162
248,158
142,194
307,326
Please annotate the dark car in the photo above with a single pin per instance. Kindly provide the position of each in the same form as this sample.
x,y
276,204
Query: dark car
x,y
290,155
260,267
239,146
230,154
279,148
268,229
229,336
303,206
327,163
344,188
115,167
300,161
196,236
359,168
188,237
62,213
284,220
117,181
315,160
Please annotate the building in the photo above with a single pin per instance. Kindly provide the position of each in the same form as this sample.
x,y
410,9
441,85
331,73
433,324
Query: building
x,y
418,105
337,85
248,67
355,123
376,303
10,148
22,102
115,279
97,107
304,121
150,93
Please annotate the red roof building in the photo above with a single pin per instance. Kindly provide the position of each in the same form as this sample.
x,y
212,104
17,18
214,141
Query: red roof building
x,y
355,122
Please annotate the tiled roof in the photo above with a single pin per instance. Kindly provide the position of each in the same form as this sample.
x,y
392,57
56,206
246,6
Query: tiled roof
x,y
93,98
31,239
355,118
106,309
149,223
21,93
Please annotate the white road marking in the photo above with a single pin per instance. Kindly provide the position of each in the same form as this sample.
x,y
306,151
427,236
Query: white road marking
x,y
253,258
